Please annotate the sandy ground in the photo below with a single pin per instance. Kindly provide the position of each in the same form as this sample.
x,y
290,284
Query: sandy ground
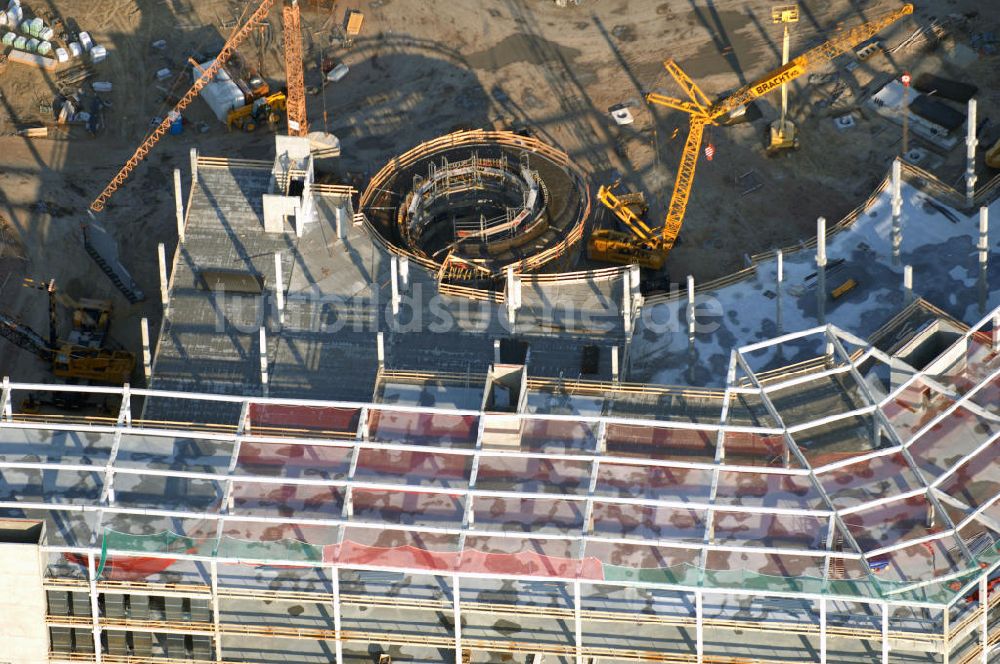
x,y
423,68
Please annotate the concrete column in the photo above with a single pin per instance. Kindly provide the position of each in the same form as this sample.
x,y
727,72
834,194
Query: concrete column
x,y
614,363
822,631
984,626
394,265
627,302
263,361
779,318
634,278
821,270
699,617
161,253
147,362
456,610
908,284
179,205
404,272
577,622
513,296
691,326
897,209
279,288
970,155
337,620
380,343
885,633
194,166
946,636
984,252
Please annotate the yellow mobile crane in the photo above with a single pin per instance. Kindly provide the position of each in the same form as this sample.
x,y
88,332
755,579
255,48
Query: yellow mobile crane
x,y
648,247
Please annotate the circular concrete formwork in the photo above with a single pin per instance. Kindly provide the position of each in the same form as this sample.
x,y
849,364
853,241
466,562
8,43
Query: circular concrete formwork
x,y
473,203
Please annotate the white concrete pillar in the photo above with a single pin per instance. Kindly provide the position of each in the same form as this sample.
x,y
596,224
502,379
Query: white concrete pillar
x,y
263,361
885,633
380,344
194,166
984,252
161,253
699,626
614,363
279,288
179,205
404,272
627,301
496,351
996,331
690,305
984,626
394,267
147,361
337,619
821,270
635,276
513,295
577,622
908,283
897,210
970,155
822,631
456,610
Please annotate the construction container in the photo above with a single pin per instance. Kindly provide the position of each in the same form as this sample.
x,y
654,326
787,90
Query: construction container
x,y
85,41
21,43
62,55
44,48
14,3
102,86
3,20
354,21
98,54
8,39
35,26
14,15
31,46
25,27
75,50
46,34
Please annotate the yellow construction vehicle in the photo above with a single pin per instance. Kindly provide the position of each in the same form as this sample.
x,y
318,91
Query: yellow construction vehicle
x,y
265,110
296,104
610,245
82,356
613,246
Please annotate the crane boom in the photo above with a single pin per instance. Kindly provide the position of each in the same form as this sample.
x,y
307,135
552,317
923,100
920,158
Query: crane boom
x,y
815,56
298,124
842,41
235,39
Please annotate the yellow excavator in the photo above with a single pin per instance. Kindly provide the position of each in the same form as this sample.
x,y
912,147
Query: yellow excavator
x,y
648,247
263,110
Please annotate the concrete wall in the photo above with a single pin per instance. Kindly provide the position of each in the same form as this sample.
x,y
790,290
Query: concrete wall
x,y
23,635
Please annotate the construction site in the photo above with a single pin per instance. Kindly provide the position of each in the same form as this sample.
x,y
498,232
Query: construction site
x,y
526,331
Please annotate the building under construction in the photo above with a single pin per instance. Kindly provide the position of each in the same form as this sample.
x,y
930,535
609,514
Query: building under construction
x,y
350,451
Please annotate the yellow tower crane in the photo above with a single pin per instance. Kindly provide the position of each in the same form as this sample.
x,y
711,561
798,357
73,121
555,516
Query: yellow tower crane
x,y
649,247
297,125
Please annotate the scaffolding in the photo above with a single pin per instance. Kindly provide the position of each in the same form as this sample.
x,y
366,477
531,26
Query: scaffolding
x,y
776,498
